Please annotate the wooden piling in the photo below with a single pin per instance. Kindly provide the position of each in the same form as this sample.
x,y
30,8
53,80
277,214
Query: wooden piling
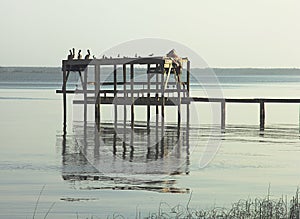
x,y
132,107
125,114
162,103
132,97
178,103
115,96
223,114
188,66
156,112
148,96
85,94
97,93
188,94
262,115
64,89
156,95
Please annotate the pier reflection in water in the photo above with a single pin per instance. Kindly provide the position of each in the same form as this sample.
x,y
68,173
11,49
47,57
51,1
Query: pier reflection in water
x,y
113,156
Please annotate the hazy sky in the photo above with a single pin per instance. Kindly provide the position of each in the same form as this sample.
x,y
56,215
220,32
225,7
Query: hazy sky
x,y
225,33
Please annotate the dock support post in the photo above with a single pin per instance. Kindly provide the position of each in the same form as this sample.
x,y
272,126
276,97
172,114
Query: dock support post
x,y
188,94
178,104
223,115
188,67
132,105
115,96
162,104
156,111
125,114
97,94
262,115
64,88
85,95
132,97
299,118
148,98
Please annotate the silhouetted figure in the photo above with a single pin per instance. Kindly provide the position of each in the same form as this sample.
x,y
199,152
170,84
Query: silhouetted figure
x,y
87,56
79,55
94,57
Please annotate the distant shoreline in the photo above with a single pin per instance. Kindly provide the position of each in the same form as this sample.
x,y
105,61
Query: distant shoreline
x,y
227,68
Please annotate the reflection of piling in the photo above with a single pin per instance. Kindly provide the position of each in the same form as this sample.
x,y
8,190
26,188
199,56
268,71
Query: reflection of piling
x,y
97,141
115,143
64,144
85,137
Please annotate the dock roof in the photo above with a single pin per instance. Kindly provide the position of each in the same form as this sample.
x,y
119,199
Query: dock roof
x,y
120,61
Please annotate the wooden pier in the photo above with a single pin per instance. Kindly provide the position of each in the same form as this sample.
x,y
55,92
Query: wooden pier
x,y
155,90
155,86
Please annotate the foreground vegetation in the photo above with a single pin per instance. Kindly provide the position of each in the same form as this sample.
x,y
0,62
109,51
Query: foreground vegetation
x,y
265,208
243,209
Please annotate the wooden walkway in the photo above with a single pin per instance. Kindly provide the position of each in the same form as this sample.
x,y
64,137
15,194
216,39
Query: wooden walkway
x,y
173,101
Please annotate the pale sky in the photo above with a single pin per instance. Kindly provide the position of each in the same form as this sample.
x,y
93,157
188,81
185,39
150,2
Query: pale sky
x,y
225,33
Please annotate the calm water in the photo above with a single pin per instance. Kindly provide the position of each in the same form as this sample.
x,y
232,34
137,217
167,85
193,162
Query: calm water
x,y
110,179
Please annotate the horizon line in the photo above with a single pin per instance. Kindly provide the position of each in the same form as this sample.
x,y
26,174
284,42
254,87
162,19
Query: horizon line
x,y
217,67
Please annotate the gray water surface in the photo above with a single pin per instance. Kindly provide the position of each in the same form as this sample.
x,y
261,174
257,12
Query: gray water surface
x,y
36,153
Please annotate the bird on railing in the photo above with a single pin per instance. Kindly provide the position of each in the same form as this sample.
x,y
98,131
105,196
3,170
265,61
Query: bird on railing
x,y
79,55
70,56
87,56
73,54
